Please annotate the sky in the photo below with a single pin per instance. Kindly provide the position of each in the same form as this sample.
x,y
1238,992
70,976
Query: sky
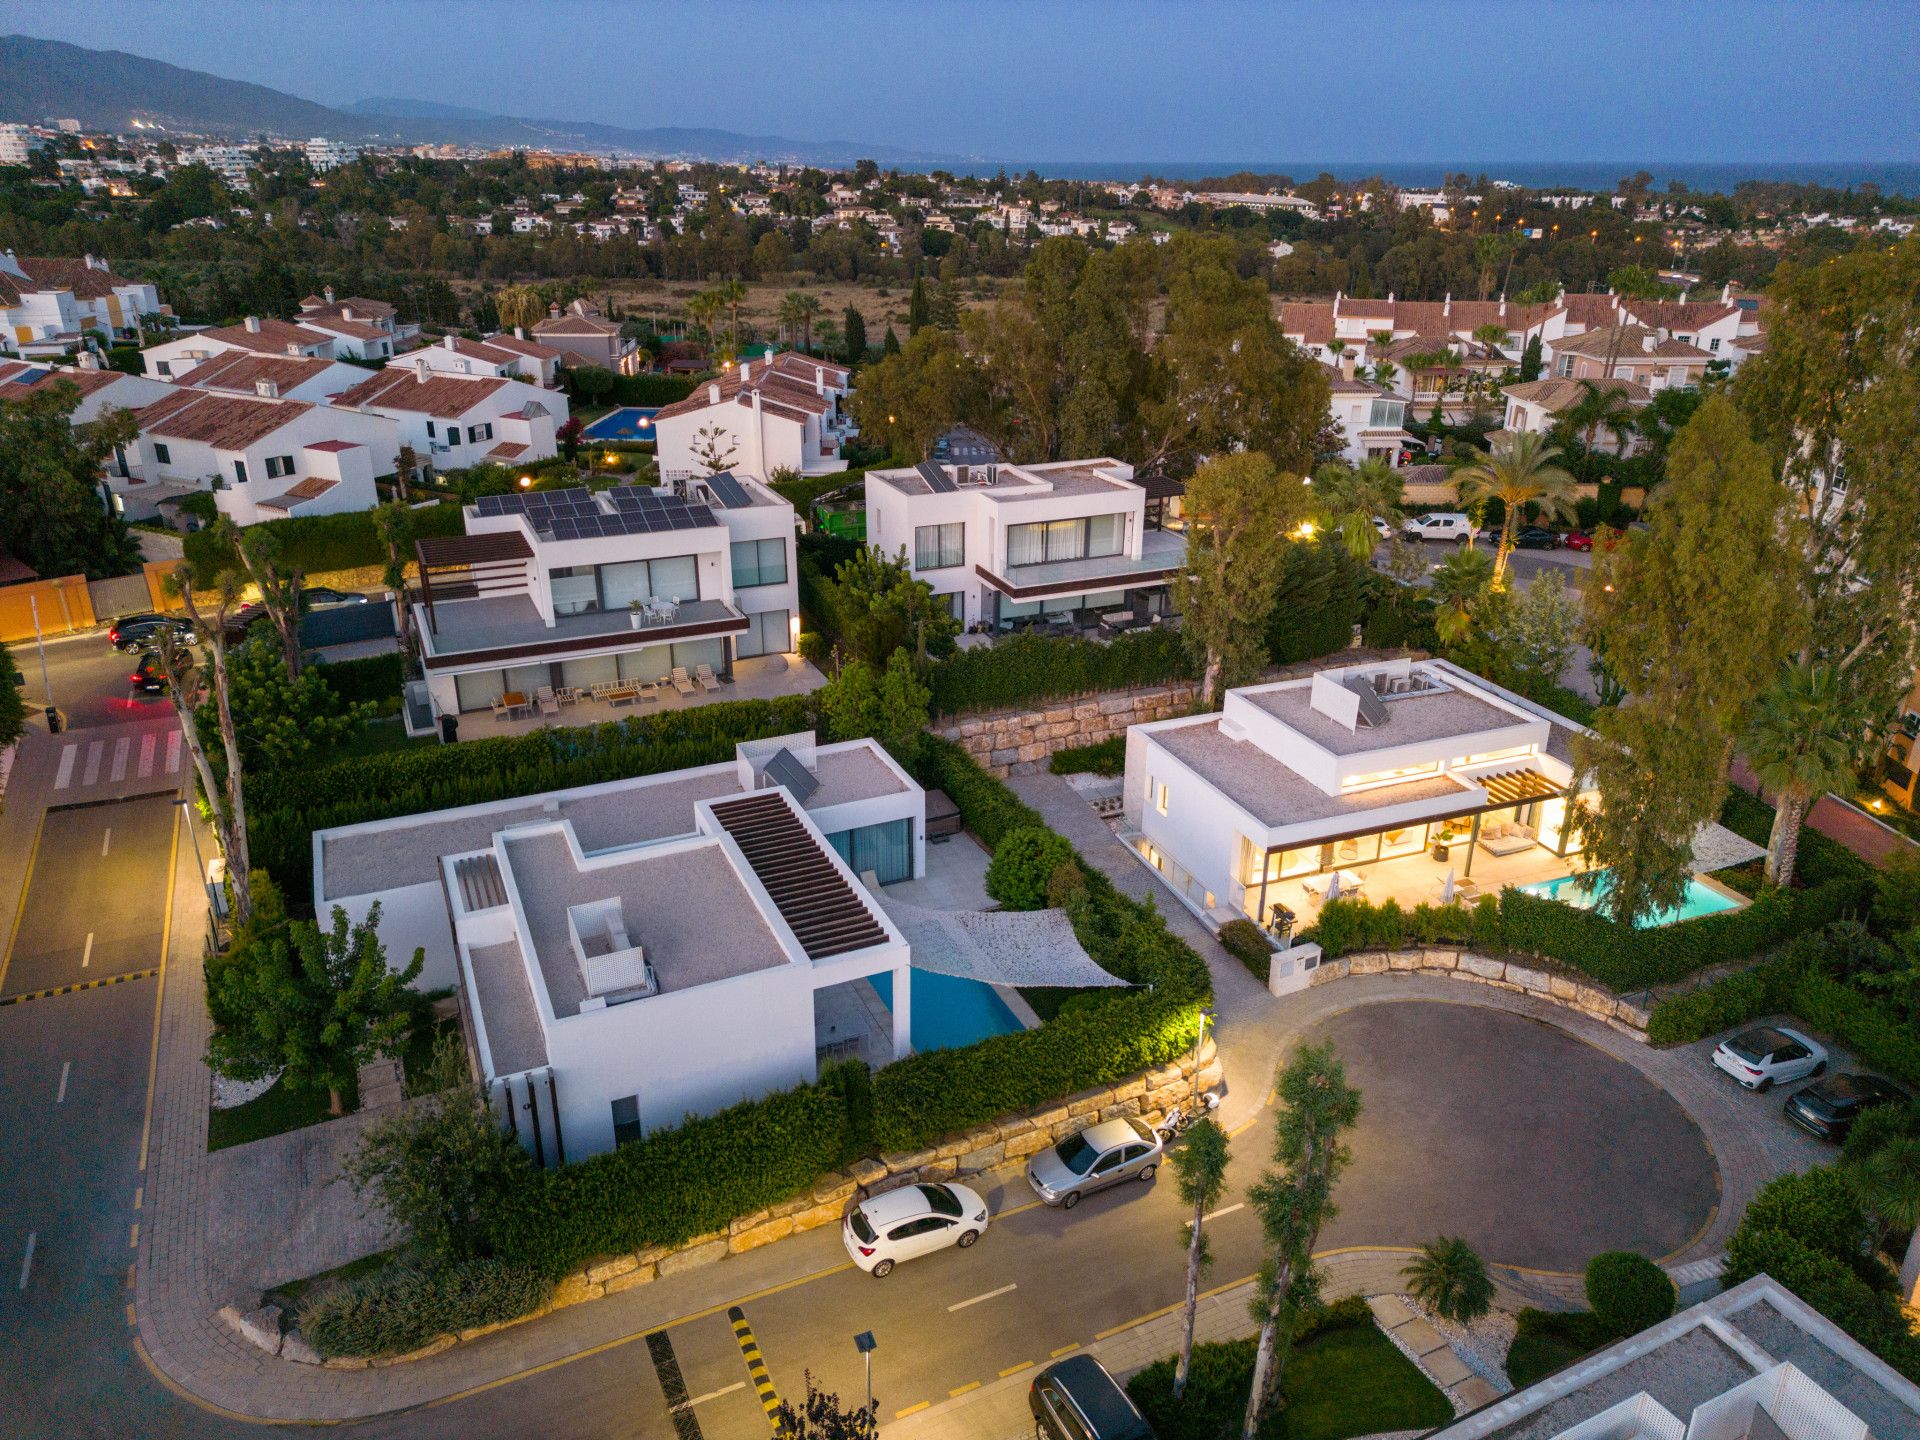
x,y
1028,80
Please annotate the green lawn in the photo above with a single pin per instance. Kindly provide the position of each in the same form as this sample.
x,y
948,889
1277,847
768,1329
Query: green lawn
x,y
376,737
274,1113
1342,1383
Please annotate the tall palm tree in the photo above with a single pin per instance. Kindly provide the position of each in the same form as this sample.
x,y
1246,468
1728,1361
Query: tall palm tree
x,y
730,293
1348,499
1459,583
1805,738
1385,373
1518,471
1450,1279
797,310
704,309
1601,405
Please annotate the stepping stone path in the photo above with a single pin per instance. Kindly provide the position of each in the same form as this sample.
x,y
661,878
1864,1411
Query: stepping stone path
x,y
1430,1351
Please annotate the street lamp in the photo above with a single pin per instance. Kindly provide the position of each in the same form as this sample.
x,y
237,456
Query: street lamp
x,y
213,906
1199,1039
864,1343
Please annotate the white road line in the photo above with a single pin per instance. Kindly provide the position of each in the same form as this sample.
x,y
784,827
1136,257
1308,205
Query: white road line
x,y
149,742
66,1069
173,751
1004,1289
87,953
122,748
1218,1213
26,1261
711,1395
106,840
94,752
64,776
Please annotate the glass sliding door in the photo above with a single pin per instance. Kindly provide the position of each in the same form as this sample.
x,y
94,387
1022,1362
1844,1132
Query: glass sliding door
x,y
529,678
885,849
767,633
623,583
648,664
677,577
695,653
586,673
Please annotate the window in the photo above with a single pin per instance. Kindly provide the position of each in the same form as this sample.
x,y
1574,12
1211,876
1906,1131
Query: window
x,y
161,454
165,367
768,633
453,434
1055,540
1713,346
1160,798
759,562
626,1119
239,472
575,590
672,576
886,849
477,433
938,547
1386,414
1566,366
279,465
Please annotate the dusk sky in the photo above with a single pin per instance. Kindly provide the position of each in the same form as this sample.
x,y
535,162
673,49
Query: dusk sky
x,y
1098,82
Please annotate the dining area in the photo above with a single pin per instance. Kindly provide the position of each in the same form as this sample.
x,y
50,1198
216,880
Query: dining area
x,y
532,706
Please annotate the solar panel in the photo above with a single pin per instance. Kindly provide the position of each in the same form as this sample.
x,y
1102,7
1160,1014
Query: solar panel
x,y
729,491
1373,714
785,769
936,478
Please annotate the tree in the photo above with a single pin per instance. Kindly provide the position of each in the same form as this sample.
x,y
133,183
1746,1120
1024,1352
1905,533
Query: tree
x,y
280,720
854,326
905,400
1348,499
714,448
919,307
889,343
1806,736
317,1005
53,514
259,550
1461,585
1023,865
900,610
1239,513
1294,1199
406,467
393,523
1200,1169
1542,631
821,1416
1450,1279
436,1166
569,437
1518,471
1887,1182
730,293
1601,405
1532,359
1628,1292
890,704
797,312
520,307
1630,282
592,383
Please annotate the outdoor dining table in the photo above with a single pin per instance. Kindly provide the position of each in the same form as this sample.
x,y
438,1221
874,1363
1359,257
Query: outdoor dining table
x,y
515,700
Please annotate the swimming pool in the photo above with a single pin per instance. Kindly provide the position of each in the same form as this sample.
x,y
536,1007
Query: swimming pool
x,y
949,1012
630,422
1699,900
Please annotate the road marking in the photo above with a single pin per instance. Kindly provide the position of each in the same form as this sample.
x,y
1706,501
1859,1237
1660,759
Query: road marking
x,y
756,1367
149,742
911,1410
86,954
63,777
66,1069
160,990
173,751
1064,1350
26,1261
75,989
132,1322
1217,1214
1016,1369
20,911
959,1390
673,1385
714,1394
961,1305
133,1240
105,841
94,751
122,748
139,1194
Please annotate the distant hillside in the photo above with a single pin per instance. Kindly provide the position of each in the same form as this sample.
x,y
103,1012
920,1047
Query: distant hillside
x,y
110,90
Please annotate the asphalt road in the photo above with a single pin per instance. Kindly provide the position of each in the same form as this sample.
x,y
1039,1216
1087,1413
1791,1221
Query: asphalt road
x,y
89,682
1573,565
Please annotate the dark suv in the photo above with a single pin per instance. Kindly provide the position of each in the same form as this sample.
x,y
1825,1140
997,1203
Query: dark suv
x,y
1078,1400
143,631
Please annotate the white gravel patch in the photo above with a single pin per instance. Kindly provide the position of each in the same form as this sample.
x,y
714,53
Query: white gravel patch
x,y
1482,1346
229,1093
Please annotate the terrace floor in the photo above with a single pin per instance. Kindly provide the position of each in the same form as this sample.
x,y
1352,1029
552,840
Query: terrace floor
x,y
756,679
1419,879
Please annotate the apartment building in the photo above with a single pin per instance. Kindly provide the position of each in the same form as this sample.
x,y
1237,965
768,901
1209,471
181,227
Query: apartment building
x,y
586,337
324,154
781,412
55,307
569,589
453,421
1631,352
1004,546
363,329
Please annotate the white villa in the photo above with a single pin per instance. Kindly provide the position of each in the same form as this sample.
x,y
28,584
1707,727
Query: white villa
x,y
628,590
764,415
1393,777
631,953
1071,541
453,421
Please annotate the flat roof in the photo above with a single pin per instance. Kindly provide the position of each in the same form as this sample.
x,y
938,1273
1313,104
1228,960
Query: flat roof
x,y
516,1040
1059,479
1412,719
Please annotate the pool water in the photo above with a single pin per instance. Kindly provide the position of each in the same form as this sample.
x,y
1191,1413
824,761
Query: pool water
x,y
949,1012
1699,899
630,422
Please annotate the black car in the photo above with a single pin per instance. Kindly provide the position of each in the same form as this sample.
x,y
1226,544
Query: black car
x,y
143,631
1536,537
149,677
1078,1400
1829,1108
312,597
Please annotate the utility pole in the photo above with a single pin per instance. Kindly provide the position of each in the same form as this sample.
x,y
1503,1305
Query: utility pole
x,y
33,604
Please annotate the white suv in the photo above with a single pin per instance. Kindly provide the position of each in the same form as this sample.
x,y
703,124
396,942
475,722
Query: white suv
x,y
912,1221
1442,525
1760,1059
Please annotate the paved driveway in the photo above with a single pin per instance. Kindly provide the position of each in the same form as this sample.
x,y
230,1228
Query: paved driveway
x,y
1539,1148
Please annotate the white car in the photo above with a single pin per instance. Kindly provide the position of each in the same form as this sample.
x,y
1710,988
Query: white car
x,y
1760,1059
1382,529
912,1221
1442,525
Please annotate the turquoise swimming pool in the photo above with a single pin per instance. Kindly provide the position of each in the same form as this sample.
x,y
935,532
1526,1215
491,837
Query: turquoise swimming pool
x,y
949,1012
629,422
1699,900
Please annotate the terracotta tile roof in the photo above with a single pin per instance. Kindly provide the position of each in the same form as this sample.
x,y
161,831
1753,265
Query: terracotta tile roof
x,y
1310,323
1632,343
82,279
311,488
334,325
531,349
1344,385
1556,395
226,422
485,351
1349,309
242,369
398,388
576,325
363,308
332,447
506,450
782,391
1591,311
1689,315
13,385
272,338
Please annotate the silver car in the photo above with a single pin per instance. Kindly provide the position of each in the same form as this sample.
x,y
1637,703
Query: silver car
x,y
1101,1155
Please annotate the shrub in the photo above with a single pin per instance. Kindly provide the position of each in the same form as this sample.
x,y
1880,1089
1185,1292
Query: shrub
x,y
816,649
1880,1126
1023,863
1066,886
1628,1292
402,1307
1025,668
1103,757
1827,1284
1545,1340
1735,1000
372,677
315,544
1818,1208
1242,940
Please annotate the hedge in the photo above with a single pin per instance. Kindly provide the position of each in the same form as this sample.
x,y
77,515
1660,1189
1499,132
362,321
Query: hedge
x,y
1242,940
401,1308
372,677
1628,1292
802,491
1104,757
317,544
638,389
1024,668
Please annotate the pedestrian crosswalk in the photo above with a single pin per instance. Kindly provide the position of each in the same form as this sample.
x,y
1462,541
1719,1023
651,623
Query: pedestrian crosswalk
x,y
85,763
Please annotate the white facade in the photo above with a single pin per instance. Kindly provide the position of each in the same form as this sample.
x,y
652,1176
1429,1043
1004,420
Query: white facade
x,y
453,421
100,390
626,956
1011,543
173,358
324,154
17,144
53,306
1371,420
762,416
512,360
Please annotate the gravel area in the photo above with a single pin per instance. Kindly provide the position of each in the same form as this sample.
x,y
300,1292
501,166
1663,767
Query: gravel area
x,y
229,1093
1482,1345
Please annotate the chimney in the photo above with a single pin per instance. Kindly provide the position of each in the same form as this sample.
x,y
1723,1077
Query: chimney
x,y
293,349
327,294
420,372
519,332
713,393
746,371
1389,297
88,360
1503,306
1647,342
553,312
267,389
448,342
253,324
346,312
1349,362
819,380
1446,307
94,262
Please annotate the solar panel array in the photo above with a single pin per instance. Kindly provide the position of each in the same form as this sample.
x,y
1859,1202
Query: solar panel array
x,y
1373,714
936,477
575,514
728,491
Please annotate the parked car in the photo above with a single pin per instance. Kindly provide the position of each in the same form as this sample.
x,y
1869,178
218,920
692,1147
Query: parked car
x,y
149,676
142,631
1762,1058
1442,525
1578,540
1536,537
912,1221
312,597
1382,529
1094,1158
1076,1399
1829,1108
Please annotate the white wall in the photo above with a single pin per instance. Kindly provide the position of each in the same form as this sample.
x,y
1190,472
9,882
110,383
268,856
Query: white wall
x,y
197,462
411,916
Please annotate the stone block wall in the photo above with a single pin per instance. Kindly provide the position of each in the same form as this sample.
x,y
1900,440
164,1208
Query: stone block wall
x,y
1594,1001
1018,742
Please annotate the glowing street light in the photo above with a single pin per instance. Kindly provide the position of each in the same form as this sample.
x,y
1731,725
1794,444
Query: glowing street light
x,y
526,482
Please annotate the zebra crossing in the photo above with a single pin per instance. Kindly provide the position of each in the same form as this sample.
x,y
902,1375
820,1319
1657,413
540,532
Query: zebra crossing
x,y
154,753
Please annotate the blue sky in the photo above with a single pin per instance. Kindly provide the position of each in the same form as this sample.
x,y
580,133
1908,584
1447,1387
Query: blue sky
x,y
1119,81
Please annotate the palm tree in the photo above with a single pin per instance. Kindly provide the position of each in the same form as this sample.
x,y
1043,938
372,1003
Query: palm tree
x,y
1518,471
797,310
1600,405
1385,373
704,309
1804,739
1887,1183
1348,500
730,293
1459,583
1449,1278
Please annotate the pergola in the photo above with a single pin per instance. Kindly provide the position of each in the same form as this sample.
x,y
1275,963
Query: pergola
x,y
460,567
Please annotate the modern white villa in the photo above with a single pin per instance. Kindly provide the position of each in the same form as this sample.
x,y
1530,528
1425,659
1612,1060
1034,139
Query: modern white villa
x,y
615,594
632,953
1070,543
1399,777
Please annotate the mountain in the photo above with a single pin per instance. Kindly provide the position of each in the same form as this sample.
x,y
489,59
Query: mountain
x,y
115,91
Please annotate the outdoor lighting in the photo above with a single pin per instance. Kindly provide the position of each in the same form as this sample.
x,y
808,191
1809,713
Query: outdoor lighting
x,y
864,1343
1305,532
526,482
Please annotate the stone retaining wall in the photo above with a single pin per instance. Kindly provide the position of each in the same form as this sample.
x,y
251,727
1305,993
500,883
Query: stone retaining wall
x,y
1006,1141
1594,1001
1018,742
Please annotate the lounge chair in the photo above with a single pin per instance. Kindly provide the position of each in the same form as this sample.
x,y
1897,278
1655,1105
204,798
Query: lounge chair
x,y
549,702
681,681
704,674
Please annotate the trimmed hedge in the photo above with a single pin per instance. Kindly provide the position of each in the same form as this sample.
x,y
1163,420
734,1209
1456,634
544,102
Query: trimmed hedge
x,y
402,1307
315,544
1024,668
1104,757
1628,1292
1243,940
372,677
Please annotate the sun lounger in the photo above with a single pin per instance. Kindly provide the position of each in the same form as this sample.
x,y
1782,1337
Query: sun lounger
x,y
704,674
681,681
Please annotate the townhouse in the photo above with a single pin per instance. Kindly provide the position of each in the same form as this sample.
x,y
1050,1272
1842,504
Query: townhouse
x,y
172,358
571,589
586,337
100,390
290,377
508,357
1369,417
1631,352
55,307
1069,542
453,421
1534,407
782,412
361,329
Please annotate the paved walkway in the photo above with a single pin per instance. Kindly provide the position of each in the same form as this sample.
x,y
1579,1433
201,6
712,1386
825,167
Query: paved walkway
x,y
1852,827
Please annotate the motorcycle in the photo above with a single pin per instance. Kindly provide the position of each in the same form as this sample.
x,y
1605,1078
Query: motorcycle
x,y
1180,1119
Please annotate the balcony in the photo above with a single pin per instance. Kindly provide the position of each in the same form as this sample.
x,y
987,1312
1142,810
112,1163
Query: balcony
x,y
1163,554
503,628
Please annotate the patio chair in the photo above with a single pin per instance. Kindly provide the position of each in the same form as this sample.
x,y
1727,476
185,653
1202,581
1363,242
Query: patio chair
x,y
681,681
548,701
500,709
704,674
